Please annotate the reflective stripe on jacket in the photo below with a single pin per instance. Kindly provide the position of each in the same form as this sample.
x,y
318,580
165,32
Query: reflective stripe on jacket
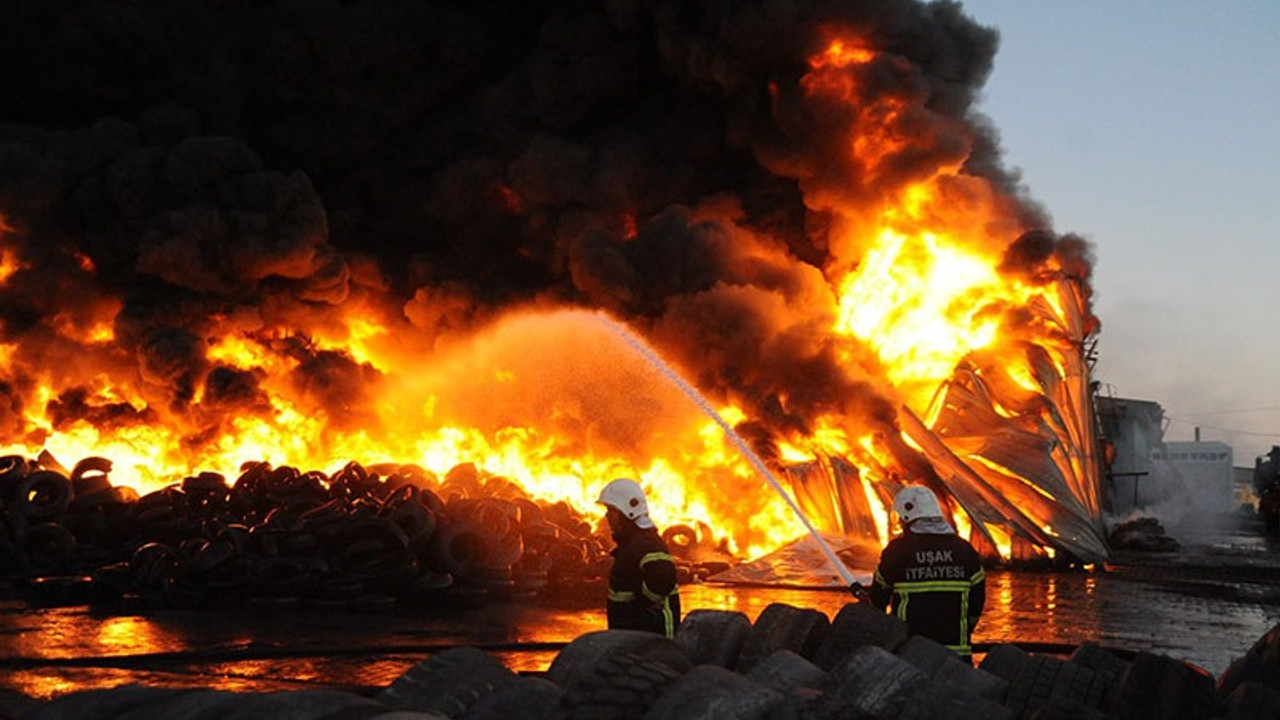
x,y
643,594
935,584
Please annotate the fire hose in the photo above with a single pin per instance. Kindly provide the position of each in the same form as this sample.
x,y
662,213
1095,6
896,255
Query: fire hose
x,y
661,365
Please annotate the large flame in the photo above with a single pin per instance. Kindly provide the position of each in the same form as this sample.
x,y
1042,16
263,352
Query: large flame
x,y
923,294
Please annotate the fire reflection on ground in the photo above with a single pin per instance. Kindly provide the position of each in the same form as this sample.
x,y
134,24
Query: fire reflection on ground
x,y
75,633
45,652
131,634
1040,607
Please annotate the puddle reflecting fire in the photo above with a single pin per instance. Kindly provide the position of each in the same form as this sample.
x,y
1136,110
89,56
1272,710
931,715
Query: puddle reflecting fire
x,y
49,652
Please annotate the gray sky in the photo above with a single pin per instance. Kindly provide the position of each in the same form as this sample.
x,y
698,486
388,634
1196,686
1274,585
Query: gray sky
x,y
1153,130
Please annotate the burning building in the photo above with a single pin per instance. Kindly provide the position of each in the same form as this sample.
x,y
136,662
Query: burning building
x,y
433,233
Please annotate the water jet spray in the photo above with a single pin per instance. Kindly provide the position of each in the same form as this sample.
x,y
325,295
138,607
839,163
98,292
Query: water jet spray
x,y
622,332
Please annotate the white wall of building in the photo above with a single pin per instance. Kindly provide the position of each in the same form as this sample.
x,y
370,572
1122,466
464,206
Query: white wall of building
x,y
1191,481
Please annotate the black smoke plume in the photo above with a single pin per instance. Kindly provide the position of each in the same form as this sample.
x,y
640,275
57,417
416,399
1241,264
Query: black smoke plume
x,y
203,167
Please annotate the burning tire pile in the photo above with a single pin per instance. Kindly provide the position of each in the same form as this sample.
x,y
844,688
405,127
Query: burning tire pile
x,y
791,663
277,536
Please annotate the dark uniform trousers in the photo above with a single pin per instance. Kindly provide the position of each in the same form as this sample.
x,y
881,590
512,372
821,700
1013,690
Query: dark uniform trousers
x,y
642,585
935,584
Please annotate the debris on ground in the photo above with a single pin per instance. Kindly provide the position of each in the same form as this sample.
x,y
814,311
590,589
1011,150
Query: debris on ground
x,y
1144,534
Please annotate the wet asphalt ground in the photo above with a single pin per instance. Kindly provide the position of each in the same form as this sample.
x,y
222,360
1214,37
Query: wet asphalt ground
x,y
1205,604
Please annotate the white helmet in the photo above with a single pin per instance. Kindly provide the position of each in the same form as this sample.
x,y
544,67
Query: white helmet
x,y
916,501
625,495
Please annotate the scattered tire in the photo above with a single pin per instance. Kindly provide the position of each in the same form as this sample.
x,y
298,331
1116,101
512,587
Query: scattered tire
x,y
946,668
1067,711
12,469
301,705
1261,662
858,624
1247,669
708,692
529,513
782,627
48,548
579,658
786,671
94,498
459,548
682,539
937,701
975,681
101,704
527,698
1267,646
194,705
713,637
498,521
875,681
621,686
808,704
416,520
43,494
1105,663
883,685
283,576
1045,680
447,683
90,475
927,655
1156,687
403,715
1005,661
1253,701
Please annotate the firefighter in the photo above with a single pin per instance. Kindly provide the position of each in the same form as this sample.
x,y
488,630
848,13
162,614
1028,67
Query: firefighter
x,y
642,582
929,576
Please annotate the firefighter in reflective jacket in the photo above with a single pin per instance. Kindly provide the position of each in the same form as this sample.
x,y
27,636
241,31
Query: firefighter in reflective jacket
x,y
642,583
929,576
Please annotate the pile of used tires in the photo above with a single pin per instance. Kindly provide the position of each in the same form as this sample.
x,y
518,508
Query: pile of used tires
x,y
277,536
792,663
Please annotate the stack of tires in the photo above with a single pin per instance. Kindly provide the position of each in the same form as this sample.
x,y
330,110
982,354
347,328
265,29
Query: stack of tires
x,y
279,537
791,664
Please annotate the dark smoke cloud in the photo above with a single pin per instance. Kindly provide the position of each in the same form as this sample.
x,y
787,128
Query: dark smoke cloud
x,y
257,166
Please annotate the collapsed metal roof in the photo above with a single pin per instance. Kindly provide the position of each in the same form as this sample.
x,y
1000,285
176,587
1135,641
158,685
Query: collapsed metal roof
x,y
1017,453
